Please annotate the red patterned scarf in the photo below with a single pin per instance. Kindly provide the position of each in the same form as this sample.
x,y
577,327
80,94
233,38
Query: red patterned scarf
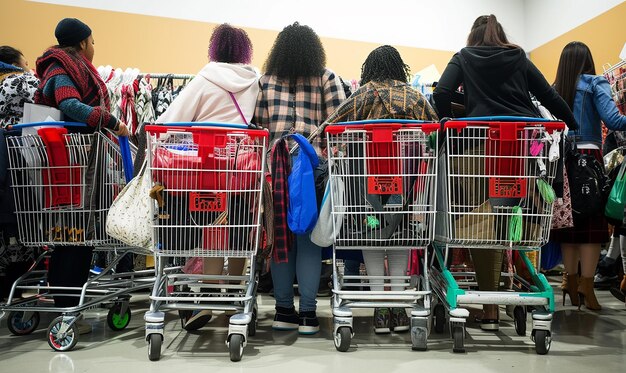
x,y
90,89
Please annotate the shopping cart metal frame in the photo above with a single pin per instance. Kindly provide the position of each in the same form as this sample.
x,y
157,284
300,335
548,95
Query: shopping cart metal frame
x,y
453,290
396,157
33,186
215,186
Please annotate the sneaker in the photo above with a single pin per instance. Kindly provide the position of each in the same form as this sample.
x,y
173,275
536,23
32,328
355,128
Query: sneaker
x,y
83,327
198,320
95,270
400,321
308,323
600,278
382,320
605,271
285,319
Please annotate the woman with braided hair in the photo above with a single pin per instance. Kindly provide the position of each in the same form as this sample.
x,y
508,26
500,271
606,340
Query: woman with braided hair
x,y
385,94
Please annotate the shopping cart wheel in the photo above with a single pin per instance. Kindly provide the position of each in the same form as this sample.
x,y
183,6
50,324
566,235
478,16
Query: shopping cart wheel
x,y
253,324
116,320
519,316
458,334
154,346
18,326
62,336
235,347
543,340
343,337
439,318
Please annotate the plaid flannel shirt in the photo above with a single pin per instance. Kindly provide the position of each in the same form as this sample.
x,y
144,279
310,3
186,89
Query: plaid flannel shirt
x,y
280,171
315,99
390,99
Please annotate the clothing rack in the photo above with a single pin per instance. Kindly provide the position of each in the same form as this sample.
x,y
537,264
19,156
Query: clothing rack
x,y
173,76
611,68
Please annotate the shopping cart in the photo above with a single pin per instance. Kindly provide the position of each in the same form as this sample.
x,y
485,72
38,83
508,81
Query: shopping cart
x,y
48,169
211,177
382,182
495,193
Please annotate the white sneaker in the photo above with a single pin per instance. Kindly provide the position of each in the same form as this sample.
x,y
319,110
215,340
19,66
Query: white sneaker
x,y
198,320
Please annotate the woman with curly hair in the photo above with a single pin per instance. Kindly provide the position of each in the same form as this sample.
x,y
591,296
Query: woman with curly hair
x,y
385,94
297,94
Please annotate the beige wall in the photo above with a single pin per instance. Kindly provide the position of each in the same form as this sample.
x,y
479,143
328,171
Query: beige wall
x,y
605,36
156,44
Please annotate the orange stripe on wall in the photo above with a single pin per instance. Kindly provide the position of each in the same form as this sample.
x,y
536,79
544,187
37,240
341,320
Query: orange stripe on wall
x,y
604,35
158,44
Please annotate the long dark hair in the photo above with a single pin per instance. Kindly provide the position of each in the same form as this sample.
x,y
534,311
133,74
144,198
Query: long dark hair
x,y
297,52
488,32
384,63
575,60
10,55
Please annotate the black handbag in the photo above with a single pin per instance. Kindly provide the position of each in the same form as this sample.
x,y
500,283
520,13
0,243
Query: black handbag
x,y
589,184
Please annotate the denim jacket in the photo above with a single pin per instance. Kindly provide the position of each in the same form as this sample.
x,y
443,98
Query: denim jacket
x,y
594,103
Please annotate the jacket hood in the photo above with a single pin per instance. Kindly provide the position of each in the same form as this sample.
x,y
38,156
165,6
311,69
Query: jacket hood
x,y
230,77
498,60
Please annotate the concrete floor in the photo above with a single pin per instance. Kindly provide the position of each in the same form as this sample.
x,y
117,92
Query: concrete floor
x,y
584,341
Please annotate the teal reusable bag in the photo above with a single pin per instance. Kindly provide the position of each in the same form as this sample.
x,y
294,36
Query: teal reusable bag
x,y
617,198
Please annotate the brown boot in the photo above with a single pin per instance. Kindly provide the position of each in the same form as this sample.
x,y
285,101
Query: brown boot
x,y
569,286
586,294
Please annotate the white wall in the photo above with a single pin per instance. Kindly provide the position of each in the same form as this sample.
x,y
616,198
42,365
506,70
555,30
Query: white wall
x,y
548,19
432,24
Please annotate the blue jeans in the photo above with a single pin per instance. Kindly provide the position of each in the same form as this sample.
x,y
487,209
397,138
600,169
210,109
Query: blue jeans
x,y
305,262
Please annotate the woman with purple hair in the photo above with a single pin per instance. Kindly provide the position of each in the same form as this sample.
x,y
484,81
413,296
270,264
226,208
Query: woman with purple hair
x,y
226,82
207,97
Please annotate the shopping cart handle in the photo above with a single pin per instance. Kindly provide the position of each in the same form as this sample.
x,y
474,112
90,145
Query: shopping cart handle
x,y
504,118
50,124
207,124
127,158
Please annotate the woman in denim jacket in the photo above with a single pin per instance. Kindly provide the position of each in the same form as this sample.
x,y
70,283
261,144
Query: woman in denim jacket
x,y
589,97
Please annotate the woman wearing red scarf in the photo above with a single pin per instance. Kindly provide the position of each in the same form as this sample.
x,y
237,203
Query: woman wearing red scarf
x,y
70,82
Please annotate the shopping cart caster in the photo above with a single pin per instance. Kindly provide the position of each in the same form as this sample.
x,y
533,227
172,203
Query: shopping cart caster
x,y
238,329
519,317
118,317
543,341
541,334
155,322
236,344
23,322
63,333
155,341
458,336
343,337
342,328
458,316
439,318
419,329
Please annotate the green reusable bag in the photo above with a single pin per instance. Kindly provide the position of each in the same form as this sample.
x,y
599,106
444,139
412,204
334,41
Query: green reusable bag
x,y
614,208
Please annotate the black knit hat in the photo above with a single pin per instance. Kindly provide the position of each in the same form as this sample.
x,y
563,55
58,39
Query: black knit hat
x,y
71,31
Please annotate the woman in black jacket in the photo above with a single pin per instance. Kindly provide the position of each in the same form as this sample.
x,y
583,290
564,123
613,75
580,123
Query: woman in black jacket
x,y
497,78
